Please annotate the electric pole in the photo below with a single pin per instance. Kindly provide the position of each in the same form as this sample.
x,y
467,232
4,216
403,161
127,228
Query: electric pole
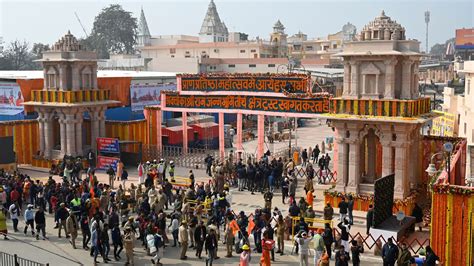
x,y
427,21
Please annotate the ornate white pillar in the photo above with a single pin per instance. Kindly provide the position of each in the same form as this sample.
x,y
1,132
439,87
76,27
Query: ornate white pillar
x,y
94,128
406,79
78,125
354,165
387,158
94,77
71,134
45,78
62,77
401,170
355,79
347,78
389,92
41,122
62,129
102,130
75,77
342,164
48,134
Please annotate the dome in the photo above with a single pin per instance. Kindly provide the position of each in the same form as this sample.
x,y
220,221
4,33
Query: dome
x,y
382,28
67,43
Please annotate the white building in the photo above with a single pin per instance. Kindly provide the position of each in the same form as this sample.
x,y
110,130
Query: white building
x,y
462,106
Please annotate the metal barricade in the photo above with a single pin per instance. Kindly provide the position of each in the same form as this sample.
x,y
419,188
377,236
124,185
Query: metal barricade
x,y
13,260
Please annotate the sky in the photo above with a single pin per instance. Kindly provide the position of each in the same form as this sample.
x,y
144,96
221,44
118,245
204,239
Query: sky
x,y
46,21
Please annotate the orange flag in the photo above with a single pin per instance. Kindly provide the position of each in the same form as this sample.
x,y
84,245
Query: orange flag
x,y
251,226
234,227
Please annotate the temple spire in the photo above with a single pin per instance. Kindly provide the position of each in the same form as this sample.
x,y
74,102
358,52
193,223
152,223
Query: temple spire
x,y
143,31
213,29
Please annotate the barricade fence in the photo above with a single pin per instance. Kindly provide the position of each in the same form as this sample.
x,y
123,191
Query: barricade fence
x,y
13,260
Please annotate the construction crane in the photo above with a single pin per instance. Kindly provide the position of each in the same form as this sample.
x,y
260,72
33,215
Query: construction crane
x,y
80,23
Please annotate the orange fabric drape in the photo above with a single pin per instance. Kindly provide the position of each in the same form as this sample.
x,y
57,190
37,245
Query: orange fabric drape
x,y
119,88
26,86
25,138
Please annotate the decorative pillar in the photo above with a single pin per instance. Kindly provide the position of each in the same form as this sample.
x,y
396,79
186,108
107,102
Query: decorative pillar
x,y
387,158
45,78
389,92
347,78
62,77
354,166
75,77
221,137
48,135
260,136
401,170
184,119
239,132
94,128
71,134
78,125
159,135
94,77
41,122
62,129
406,79
354,79
102,130
342,164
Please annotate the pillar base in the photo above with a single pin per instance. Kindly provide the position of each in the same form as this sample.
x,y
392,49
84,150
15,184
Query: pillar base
x,y
340,188
354,190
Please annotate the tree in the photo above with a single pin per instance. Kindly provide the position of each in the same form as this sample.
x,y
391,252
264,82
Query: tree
x,y
17,56
38,49
114,31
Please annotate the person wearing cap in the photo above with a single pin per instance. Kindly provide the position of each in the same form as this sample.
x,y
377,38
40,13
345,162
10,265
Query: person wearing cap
x,y
342,257
161,171
128,239
245,256
29,219
356,249
171,172
303,241
14,211
71,228
183,239
319,246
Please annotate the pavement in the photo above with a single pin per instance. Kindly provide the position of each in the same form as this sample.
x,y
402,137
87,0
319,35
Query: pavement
x,y
58,251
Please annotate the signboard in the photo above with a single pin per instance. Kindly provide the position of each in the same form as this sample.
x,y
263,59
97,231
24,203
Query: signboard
x,y
108,145
443,125
10,99
465,38
254,103
103,162
294,83
147,94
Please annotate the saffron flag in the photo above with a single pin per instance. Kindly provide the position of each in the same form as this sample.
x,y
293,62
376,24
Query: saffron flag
x,y
251,226
91,185
234,227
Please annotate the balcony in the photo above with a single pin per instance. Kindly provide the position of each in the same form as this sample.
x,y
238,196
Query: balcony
x,y
70,97
381,108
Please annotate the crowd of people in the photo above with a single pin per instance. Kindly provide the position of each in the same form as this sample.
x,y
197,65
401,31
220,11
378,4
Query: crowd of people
x,y
160,213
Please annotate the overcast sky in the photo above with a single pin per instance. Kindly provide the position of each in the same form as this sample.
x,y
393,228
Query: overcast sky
x,y
46,21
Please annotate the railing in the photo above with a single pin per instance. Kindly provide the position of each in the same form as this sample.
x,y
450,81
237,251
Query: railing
x,y
383,108
14,260
79,96
194,158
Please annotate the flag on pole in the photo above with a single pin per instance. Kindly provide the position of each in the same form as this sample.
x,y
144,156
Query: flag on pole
x,y
234,227
251,226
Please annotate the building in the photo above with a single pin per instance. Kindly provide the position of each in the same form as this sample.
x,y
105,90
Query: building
x,y
69,71
462,107
213,29
464,44
381,67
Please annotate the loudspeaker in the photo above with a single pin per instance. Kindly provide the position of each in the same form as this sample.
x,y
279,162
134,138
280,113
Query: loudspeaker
x,y
7,155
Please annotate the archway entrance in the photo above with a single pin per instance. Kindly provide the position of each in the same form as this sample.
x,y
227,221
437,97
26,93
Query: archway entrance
x,y
371,157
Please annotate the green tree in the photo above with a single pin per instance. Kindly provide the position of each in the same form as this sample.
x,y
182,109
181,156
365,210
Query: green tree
x,y
17,56
114,31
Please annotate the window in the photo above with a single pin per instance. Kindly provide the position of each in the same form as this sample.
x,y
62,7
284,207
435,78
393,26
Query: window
x,y
242,51
252,65
253,51
468,86
334,46
187,56
231,66
309,48
187,52
216,50
203,52
172,50
271,65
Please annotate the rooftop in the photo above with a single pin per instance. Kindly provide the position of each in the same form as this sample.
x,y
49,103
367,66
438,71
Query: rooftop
x,y
38,74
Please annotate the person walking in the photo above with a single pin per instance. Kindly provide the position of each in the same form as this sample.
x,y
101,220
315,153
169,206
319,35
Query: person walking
x,y
105,241
319,245
281,229
159,245
345,227
284,189
174,229
328,212
62,215
343,206
350,208
117,242
267,247
199,238
14,211
120,168
342,257
40,221
3,224
389,253
128,240
29,219
72,227
183,239
85,230
211,247
370,218
111,173
304,156
316,153
328,238
229,241
141,172
356,249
